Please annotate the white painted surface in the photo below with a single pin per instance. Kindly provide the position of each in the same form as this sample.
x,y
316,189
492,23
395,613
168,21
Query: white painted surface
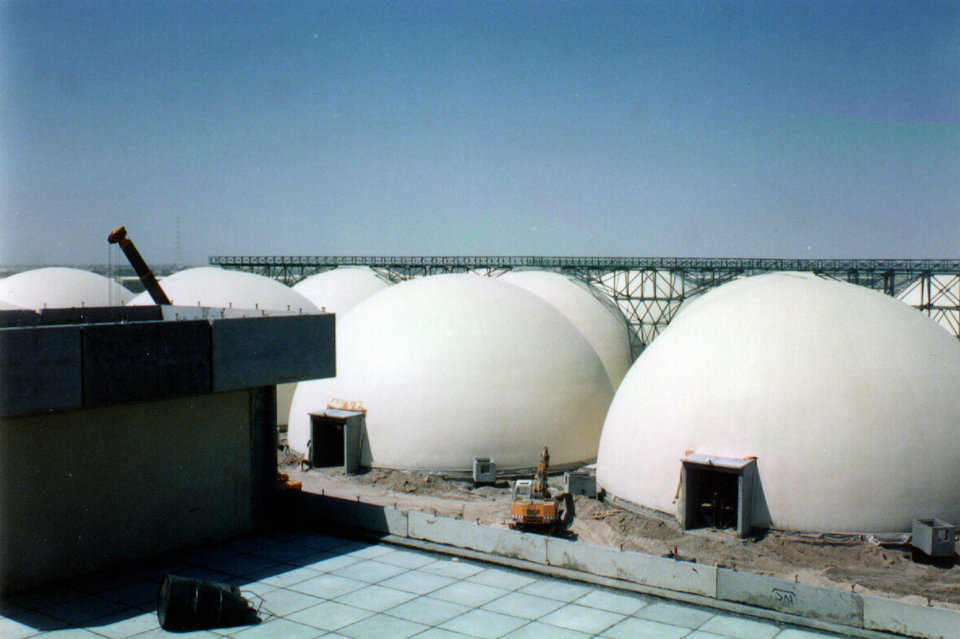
x,y
340,289
596,317
451,367
61,287
222,288
847,397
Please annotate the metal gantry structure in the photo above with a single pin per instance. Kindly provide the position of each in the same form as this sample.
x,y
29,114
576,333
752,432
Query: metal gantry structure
x,y
650,290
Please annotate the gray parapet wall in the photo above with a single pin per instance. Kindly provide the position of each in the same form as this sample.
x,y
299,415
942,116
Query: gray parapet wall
x,y
848,613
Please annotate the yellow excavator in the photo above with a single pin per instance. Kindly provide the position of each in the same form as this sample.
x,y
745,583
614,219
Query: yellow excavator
x,y
534,507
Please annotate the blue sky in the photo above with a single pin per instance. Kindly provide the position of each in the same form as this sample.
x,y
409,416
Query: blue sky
x,y
771,129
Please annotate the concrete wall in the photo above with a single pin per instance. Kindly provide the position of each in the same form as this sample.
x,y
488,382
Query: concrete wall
x,y
825,608
82,489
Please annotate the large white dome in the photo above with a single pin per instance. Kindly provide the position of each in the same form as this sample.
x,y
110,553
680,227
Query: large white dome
x,y
61,287
944,292
451,367
847,398
597,318
340,289
221,288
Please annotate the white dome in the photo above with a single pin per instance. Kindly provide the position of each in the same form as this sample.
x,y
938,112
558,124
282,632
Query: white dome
x,y
451,367
596,317
945,291
220,288
340,289
60,287
846,397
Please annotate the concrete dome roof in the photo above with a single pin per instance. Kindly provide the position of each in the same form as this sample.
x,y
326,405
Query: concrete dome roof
x,y
846,397
340,289
596,317
945,291
451,367
61,287
221,288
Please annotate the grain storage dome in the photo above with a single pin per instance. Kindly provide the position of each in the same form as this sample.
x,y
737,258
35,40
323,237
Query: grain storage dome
x,y
342,288
60,287
596,317
451,367
941,299
221,288
846,398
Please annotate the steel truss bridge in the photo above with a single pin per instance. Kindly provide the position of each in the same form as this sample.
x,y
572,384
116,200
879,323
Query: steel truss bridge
x,y
650,290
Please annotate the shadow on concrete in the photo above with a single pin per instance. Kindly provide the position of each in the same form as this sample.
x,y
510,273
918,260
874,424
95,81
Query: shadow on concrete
x,y
130,589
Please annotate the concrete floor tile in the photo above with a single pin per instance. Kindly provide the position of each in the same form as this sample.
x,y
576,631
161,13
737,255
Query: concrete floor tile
x,y
376,598
363,551
370,571
15,629
407,558
288,553
319,541
121,625
80,611
581,618
290,577
427,610
675,614
440,633
522,605
160,633
327,562
537,630
45,599
468,594
282,602
67,633
797,633
484,623
739,627
11,616
328,586
622,602
453,568
701,634
279,629
330,615
418,582
633,628
240,564
382,627
500,578
137,594
556,589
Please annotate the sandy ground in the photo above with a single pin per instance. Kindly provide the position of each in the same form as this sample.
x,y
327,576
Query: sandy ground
x,y
859,566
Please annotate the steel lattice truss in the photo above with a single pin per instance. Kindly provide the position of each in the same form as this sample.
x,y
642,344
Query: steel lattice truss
x,y
650,290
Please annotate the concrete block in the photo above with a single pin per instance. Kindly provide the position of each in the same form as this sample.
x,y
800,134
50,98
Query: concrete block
x,y
465,534
40,369
272,350
797,599
143,361
638,568
901,618
352,514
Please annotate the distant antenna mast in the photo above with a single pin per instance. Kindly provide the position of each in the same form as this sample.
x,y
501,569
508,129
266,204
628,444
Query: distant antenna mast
x,y
179,247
